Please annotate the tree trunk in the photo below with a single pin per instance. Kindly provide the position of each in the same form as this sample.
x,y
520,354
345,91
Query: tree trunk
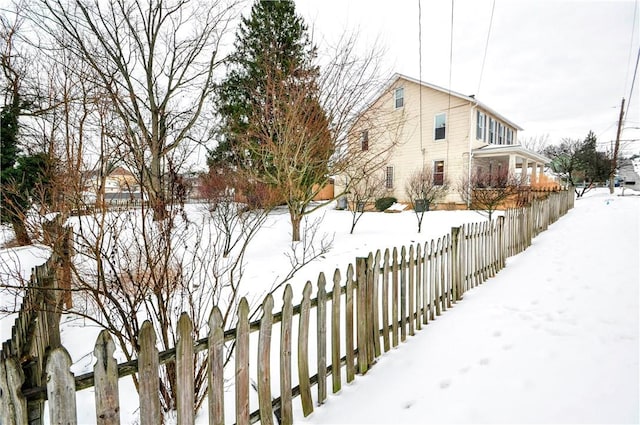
x,y
295,225
156,190
19,228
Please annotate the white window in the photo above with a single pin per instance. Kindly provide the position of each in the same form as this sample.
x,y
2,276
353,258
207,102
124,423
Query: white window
x,y
492,131
364,140
509,136
480,125
389,177
398,97
440,123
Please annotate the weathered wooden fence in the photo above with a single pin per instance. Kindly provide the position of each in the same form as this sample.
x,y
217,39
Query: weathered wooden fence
x,y
386,297
36,329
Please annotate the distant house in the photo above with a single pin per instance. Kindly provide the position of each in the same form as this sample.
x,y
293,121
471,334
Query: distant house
x,y
449,133
119,186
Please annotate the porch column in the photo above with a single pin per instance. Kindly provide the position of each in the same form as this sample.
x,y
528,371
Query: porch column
x,y
534,173
512,164
525,170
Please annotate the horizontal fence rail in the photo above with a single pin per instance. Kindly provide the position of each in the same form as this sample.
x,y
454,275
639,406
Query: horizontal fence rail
x,y
377,304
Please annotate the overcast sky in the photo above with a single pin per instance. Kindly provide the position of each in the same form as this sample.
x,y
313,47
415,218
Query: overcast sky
x,y
553,67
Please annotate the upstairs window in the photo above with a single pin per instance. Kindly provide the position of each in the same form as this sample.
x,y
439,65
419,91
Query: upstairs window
x,y
389,177
440,126
438,173
364,140
492,130
480,125
500,134
509,136
398,97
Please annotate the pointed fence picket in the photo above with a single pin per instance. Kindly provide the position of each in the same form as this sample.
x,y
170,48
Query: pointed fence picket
x,y
395,294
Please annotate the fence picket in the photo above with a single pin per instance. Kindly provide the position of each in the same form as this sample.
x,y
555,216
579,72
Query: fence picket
x,y
418,286
61,388
303,352
215,369
184,371
361,314
264,362
322,339
148,376
335,333
375,310
13,405
242,364
348,335
286,409
105,373
394,297
411,296
385,302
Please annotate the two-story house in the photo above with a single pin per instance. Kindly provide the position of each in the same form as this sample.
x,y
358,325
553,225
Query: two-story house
x,y
447,132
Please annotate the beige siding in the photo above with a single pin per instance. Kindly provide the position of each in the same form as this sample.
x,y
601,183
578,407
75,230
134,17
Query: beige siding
x,y
416,145
419,148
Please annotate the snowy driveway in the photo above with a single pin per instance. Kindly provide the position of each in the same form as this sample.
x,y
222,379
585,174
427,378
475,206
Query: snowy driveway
x,y
552,339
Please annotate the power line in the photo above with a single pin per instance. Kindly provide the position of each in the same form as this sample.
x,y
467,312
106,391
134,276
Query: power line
x,y
420,74
633,31
633,82
486,46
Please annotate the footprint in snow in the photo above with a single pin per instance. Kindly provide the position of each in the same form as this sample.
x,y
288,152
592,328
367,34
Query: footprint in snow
x,y
484,361
445,383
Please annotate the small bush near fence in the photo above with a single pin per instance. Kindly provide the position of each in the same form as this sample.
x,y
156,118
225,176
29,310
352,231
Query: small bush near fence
x,y
384,203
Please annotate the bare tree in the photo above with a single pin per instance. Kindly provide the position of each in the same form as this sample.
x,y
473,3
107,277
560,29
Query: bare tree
x,y
364,188
155,61
310,131
423,190
537,143
487,191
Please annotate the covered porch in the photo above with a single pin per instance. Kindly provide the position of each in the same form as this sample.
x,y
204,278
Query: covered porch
x,y
526,165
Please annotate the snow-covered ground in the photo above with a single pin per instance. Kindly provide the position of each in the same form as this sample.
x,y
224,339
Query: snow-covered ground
x,y
553,338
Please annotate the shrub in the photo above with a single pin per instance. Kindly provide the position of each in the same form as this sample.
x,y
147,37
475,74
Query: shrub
x,y
384,203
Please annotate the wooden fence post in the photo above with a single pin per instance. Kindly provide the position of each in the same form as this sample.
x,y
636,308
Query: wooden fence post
x,y
105,373
394,297
385,302
419,310
13,406
61,388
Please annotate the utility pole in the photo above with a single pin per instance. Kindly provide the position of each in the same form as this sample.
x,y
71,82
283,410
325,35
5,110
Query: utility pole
x,y
616,148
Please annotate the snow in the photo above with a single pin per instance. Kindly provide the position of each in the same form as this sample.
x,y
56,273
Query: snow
x,y
552,338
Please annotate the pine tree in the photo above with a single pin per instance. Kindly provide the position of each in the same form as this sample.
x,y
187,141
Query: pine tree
x,y
271,44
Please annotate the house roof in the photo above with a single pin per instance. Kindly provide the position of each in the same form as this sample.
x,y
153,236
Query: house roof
x,y
471,98
499,150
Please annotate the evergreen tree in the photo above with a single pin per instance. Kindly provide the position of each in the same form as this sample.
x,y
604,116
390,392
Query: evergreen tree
x,y
271,44
21,176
